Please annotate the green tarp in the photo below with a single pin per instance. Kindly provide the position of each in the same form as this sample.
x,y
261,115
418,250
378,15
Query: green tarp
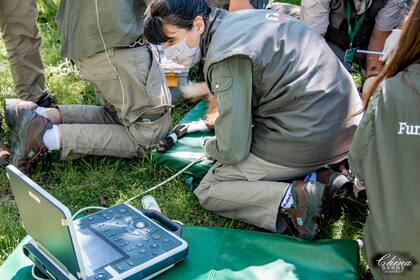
x,y
221,253
188,148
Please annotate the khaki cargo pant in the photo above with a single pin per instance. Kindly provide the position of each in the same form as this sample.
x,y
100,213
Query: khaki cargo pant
x,y
20,34
250,191
128,122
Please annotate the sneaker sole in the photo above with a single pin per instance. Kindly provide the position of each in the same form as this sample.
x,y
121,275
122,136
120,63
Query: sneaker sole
x,y
22,124
9,106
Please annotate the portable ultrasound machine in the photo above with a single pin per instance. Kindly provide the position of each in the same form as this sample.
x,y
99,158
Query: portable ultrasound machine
x,y
120,242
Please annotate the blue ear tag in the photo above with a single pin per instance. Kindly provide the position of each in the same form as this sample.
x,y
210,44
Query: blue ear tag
x,y
31,154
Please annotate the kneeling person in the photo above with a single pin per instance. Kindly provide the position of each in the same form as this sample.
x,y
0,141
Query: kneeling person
x,y
135,101
283,109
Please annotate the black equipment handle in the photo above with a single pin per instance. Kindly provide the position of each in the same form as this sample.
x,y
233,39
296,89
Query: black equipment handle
x,y
164,220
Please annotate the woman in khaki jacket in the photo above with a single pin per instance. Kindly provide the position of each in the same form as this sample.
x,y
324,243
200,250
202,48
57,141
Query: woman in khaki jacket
x,y
385,157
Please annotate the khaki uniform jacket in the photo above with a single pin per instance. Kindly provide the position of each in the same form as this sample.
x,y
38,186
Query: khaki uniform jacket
x,y
120,22
386,156
282,95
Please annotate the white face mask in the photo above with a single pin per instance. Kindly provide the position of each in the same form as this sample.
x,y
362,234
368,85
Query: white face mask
x,y
181,53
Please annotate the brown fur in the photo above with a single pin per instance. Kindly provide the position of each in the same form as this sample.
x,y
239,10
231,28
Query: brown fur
x,y
198,91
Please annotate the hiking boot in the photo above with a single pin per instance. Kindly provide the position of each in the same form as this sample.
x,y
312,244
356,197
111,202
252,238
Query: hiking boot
x,y
13,106
30,130
11,112
47,101
308,208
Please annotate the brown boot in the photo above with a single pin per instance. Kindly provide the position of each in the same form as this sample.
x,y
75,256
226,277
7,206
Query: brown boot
x,y
13,106
30,130
307,210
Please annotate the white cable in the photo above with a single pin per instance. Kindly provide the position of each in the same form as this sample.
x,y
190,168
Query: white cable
x,y
167,180
178,222
37,277
87,208
147,191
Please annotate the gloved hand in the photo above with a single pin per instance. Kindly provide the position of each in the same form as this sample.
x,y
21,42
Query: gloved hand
x,y
390,45
368,82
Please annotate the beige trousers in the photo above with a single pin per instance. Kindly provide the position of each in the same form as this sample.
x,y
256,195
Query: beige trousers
x,y
135,113
250,191
20,34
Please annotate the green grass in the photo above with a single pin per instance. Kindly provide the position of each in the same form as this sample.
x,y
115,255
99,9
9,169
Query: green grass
x,y
104,181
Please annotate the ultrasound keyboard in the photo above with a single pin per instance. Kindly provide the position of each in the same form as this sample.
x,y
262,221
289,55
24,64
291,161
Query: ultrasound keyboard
x,y
139,240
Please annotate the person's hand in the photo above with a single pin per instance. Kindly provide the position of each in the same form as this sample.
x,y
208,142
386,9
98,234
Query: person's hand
x,y
368,82
390,45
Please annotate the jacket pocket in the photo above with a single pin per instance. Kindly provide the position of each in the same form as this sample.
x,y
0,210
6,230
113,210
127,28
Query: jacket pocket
x,y
220,89
147,133
221,84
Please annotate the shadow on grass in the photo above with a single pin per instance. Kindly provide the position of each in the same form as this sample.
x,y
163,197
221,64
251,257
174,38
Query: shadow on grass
x,y
350,226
